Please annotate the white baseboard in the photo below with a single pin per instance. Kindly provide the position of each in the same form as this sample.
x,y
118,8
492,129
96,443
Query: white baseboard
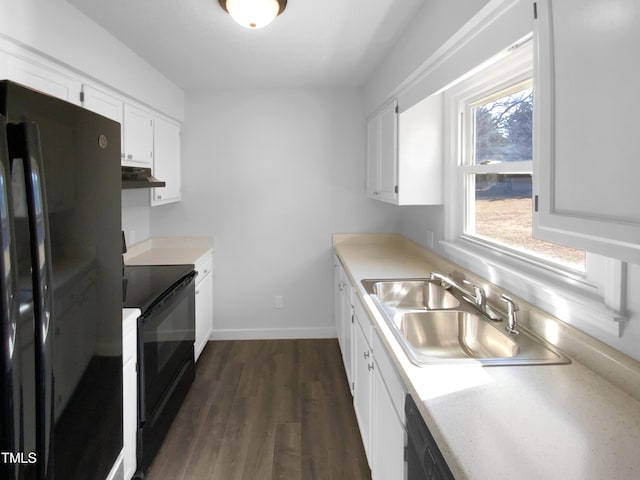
x,y
273,333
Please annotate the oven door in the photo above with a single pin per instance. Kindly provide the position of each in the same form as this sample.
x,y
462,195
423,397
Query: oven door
x,y
166,333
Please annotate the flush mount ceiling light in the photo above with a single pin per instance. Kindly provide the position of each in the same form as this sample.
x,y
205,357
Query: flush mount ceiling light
x,y
253,13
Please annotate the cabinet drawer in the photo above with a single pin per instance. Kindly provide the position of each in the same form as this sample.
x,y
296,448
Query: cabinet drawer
x,y
390,376
363,318
204,266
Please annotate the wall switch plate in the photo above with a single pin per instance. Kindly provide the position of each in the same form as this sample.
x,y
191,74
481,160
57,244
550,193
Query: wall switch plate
x,y
279,301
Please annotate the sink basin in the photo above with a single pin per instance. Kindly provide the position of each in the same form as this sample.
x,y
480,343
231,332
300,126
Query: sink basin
x,y
433,325
411,294
454,334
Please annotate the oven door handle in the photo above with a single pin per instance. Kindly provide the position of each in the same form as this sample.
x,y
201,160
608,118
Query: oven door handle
x,y
174,290
142,411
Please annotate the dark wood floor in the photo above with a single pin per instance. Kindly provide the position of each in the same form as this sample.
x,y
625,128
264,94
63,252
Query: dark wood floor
x,y
265,409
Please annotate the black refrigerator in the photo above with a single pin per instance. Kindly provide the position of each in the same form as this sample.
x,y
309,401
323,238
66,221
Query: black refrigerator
x,y
61,279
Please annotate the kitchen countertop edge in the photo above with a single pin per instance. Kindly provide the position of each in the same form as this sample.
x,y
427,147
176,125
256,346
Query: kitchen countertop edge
x,y
169,250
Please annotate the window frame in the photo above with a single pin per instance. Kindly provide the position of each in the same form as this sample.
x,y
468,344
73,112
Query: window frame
x,y
593,299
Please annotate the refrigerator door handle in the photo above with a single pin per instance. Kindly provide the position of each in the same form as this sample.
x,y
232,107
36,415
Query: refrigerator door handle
x,y
24,143
10,434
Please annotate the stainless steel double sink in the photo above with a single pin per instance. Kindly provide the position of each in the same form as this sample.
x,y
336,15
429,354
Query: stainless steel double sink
x,y
437,325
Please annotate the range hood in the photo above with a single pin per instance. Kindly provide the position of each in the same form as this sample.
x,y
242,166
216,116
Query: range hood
x,y
138,177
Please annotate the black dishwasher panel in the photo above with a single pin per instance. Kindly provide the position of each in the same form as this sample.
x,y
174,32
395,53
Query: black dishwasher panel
x,y
424,460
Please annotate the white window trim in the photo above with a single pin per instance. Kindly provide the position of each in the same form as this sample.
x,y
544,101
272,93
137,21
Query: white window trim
x,y
591,301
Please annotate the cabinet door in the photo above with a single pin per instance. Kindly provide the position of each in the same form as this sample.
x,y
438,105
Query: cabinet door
x,y
204,313
340,312
373,157
420,156
138,137
387,434
363,367
389,153
337,299
382,154
45,78
585,148
347,333
166,160
104,104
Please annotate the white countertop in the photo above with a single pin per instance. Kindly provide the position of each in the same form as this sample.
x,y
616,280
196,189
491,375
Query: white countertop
x,y
523,422
168,251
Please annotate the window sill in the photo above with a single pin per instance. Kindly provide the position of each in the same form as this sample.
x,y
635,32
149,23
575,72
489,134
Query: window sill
x,y
573,301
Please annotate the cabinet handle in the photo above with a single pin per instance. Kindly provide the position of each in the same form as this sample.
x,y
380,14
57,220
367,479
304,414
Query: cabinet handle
x,y
370,366
366,355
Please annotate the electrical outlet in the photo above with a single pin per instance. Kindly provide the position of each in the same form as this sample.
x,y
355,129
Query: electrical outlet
x,y
279,302
430,239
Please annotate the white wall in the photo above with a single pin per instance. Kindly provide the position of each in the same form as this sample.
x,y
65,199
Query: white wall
x,y
60,31
136,212
272,174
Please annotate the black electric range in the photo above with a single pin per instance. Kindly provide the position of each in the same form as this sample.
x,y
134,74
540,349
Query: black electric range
x,y
165,294
143,286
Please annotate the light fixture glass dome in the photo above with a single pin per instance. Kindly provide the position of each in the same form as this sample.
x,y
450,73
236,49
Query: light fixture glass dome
x,y
253,13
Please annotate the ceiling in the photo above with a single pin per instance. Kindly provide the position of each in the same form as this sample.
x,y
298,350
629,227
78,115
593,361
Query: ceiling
x,y
197,45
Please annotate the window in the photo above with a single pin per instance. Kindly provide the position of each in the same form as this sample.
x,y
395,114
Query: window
x,y
489,211
494,163
498,183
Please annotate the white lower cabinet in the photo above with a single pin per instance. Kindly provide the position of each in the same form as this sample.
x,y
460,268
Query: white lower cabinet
x,y
387,424
204,302
344,319
129,390
378,390
363,382
348,331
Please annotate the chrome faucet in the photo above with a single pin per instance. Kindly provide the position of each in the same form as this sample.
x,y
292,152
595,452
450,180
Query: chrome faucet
x,y
512,319
479,297
448,282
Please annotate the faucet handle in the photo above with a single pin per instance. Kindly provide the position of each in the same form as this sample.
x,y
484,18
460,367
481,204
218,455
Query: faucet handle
x,y
479,295
512,319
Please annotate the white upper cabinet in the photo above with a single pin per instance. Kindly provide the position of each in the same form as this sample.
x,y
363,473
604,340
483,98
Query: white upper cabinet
x,y
138,136
420,153
42,76
166,160
404,153
106,104
587,102
382,154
